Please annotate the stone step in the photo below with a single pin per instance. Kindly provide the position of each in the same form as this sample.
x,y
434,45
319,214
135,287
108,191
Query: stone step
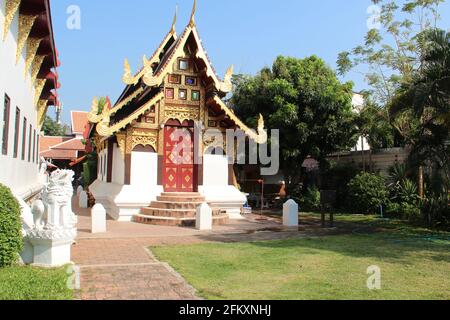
x,y
174,198
176,222
181,194
169,213
175,205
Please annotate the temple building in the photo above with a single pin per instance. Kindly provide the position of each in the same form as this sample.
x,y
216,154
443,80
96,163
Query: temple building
x,y
28,84
137,139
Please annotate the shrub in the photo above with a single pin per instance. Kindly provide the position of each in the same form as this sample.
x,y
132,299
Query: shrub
x,y
11,242
367,193
337,178
310,201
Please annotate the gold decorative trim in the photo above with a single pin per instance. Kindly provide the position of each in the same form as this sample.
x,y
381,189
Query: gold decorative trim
x,y
32,48
25,24
260,137
36,66
142,137
192,19
104,129
40,83
182,113
11,8
42,111
130,98
121,142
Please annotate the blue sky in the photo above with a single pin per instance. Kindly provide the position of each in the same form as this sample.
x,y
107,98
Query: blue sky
x,y
246,33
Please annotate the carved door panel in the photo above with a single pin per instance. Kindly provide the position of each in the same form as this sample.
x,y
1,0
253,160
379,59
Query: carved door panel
x,y
178,171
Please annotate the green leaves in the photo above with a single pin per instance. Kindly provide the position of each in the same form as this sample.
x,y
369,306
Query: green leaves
x,y
11,242
304,99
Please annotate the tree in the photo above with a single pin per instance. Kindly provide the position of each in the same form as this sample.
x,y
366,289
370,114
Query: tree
x,y
392,52
308,104
52,128
427,98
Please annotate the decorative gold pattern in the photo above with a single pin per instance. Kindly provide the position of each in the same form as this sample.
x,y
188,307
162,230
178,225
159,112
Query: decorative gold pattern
x,y
127,77
182,113
260,137
42,111
104,129
40,83
121,142
25,24
36,66
32,48
142,137
11,7
192,20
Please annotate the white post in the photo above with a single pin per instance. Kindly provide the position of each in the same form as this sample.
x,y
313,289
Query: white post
x,y
98,219
83,201
204,217
290,214
79,190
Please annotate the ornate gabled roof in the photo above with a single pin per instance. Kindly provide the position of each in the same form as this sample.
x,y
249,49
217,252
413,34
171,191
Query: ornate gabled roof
x,y
150,78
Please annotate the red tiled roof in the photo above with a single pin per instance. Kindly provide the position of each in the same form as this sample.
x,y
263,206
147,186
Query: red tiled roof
x,y
46,142
74,144
79,121
60,154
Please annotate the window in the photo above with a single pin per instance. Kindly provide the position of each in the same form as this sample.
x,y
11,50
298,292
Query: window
x,y
191,81
174,78
34,145
182,94
195,95
183,64
16,133
5,137
24,138
29,142
169,93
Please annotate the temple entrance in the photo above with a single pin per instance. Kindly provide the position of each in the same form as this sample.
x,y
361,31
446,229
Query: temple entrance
x,y
179,174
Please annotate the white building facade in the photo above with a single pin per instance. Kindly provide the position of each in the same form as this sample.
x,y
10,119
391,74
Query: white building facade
x,y
28,86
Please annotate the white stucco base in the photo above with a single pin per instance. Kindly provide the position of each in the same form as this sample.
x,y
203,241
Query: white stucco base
x,y
51,253
122,202
227,198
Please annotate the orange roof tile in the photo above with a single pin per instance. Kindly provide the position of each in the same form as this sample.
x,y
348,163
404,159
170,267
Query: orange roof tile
x,y
79,121
46,142
74,144
60,154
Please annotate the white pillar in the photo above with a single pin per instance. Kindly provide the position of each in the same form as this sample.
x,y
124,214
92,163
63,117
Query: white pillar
x,y
290,214
83,201
79,190
204,217
98,219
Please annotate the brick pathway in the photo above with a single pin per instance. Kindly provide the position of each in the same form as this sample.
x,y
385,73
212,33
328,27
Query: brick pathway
x,y
123,269
118,265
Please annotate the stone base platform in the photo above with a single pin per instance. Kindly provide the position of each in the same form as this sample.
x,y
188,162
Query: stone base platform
x,y
177,209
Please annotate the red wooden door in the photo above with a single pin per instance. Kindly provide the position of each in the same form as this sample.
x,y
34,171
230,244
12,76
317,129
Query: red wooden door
x,y
178,171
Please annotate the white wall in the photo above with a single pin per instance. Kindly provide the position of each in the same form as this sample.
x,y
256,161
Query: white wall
x,y
118,172
144,169
19,175
215,170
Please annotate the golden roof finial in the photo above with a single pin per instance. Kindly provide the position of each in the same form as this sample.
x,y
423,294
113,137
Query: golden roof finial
x,y
174,20
192,21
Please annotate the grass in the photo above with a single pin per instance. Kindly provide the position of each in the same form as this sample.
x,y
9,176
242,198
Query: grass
x,y
28,283
415,264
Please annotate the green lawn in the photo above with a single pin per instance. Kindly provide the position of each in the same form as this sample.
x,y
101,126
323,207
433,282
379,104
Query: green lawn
x,y
415,264
28,283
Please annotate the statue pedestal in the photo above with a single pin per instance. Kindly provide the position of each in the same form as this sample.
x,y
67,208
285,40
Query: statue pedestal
x,y
52,247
